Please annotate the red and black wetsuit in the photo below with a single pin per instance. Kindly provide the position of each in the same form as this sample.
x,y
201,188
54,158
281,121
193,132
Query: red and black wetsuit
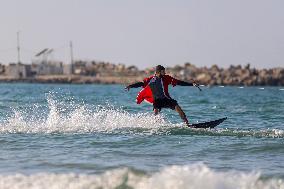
x,y
155,90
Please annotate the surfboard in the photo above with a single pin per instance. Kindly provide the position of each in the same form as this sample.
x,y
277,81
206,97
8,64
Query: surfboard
x,y
208,124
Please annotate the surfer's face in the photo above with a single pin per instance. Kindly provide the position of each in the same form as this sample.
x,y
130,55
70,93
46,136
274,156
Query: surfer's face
x,y
161,73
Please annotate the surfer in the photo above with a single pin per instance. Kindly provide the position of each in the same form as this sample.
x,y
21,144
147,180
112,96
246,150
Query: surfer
x,y
155,91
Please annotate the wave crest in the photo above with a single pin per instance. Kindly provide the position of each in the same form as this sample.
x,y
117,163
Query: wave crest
x,y
74,118
264,133
66,116
190,176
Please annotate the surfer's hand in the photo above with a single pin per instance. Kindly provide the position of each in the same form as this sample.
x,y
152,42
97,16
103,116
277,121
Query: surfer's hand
x,y
127,88
195,84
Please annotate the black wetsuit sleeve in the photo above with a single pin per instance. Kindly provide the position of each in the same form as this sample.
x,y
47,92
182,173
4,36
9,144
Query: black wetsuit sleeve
x,y
136,85
183,83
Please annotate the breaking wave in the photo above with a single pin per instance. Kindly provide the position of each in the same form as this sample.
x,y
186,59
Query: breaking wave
x,y
70,117
197,176
65,117
267,133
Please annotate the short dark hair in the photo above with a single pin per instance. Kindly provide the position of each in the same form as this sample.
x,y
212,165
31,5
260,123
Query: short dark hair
x,y
159,68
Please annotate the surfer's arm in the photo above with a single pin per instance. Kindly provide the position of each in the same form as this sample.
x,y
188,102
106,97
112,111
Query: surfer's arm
x,y
183,83
135,85
173,81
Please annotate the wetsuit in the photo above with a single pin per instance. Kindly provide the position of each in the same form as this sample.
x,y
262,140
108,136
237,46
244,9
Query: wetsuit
x,y
155,90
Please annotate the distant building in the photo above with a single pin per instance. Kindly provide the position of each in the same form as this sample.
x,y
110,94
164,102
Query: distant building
x,y
47,68
67,69
18,71
79,68
2,69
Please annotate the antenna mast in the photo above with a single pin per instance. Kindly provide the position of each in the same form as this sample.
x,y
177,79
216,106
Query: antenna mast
x,y
18,47
71,53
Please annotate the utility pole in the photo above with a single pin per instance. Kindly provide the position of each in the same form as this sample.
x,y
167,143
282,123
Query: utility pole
x,y
18,47
71,52
71,55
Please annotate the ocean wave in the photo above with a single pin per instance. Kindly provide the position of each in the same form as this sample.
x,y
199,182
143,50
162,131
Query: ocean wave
x,y
196,176
78,118
264,133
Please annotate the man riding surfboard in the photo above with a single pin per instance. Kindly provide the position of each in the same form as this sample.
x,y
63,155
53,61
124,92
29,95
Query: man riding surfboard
x,y
155,91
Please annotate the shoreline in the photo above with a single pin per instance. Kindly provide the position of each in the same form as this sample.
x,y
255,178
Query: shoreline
x,y
82,80
213,76
71,79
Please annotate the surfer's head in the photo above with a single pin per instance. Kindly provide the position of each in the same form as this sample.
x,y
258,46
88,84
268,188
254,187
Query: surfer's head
x,y
160,71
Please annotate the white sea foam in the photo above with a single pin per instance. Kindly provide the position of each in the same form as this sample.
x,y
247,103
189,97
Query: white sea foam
x,y
271,133
63,117
79,119
196,176
278,132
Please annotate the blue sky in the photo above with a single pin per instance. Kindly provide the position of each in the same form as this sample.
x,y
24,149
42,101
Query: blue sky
x,y
146,33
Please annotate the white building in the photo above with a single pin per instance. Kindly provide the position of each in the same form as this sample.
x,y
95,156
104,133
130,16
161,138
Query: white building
x,y
67,69
47,68
18,71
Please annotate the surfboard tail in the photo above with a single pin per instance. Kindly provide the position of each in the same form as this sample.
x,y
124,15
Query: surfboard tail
x,y
208,124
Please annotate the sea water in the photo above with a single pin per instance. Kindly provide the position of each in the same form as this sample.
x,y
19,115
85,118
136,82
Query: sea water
x,y
96,136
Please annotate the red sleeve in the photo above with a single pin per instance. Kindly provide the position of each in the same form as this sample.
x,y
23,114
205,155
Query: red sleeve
x,y
171,80
146,81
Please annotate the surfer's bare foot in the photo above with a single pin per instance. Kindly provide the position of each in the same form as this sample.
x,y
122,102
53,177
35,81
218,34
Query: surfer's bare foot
x,y
187,123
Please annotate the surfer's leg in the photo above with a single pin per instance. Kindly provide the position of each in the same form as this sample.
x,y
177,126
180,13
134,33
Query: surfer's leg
x,y
157,106
181,114
156,111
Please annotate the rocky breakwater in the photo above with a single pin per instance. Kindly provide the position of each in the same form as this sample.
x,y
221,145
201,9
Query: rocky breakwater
x,y
234,75
107,73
